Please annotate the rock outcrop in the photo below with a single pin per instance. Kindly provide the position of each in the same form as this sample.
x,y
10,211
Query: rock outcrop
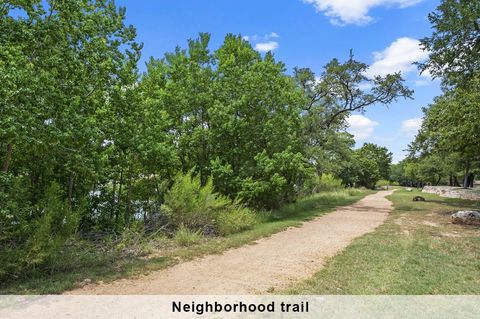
x,y
453,192
466,217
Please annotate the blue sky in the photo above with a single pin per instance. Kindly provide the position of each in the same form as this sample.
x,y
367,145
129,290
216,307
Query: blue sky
x,y
309,33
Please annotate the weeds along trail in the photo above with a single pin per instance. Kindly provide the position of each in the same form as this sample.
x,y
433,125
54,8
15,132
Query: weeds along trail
x,y
265,265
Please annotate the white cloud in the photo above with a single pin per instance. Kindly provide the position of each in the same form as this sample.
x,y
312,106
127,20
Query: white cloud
x,y
266,46
398,56
343,12
264,43
360,126
422,82
410,127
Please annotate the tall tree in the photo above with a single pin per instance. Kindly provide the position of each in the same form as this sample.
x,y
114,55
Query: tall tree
x,y
332,97
454,46
234,115
66,58
452,124
379,155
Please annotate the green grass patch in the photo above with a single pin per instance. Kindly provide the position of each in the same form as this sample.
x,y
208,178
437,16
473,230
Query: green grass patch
x,y
106,261
186,237
417,251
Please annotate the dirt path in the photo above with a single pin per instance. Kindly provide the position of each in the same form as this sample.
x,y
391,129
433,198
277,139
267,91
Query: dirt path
x,y
274,262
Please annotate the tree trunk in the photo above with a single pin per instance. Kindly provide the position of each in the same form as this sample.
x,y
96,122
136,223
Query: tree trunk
x,y
8,158
465,177
112,202
70,189
117,210
127,201
450,181
455,181
470,179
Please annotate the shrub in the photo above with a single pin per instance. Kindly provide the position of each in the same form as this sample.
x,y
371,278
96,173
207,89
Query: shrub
x,y
192,205
235,219
133,241
186,237
33,235
382,183
323,183
276,179
354,191
328,182
189,205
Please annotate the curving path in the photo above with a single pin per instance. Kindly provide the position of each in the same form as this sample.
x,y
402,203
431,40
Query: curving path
x,y
270,263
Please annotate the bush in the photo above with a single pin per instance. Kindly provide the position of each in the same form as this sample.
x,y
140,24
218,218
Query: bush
x,y
354,191
32,236
234,220
276,179
191,205
323,183
186,237
133,241
382,183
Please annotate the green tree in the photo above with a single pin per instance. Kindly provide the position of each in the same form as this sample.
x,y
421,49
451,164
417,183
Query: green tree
x,y
232,114
452,124
62,64
256,116
330,99
454,46
366,171
73,57
380,155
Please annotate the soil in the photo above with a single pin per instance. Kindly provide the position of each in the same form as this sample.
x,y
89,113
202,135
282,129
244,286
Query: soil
x,y
271,264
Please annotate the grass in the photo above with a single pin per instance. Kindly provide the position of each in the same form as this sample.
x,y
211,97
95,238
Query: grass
x,y
101,262
186,237
417,251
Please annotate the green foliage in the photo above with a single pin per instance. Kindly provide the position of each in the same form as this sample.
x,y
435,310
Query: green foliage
x,y
383,183
381,156
275,179
55,223
369,164
235,220
448,141
100,260
329,99
234,115
367,172
190,205
89,144
453,121
322,183
35,234
336,93
328,182
133,241
453,46
187,237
